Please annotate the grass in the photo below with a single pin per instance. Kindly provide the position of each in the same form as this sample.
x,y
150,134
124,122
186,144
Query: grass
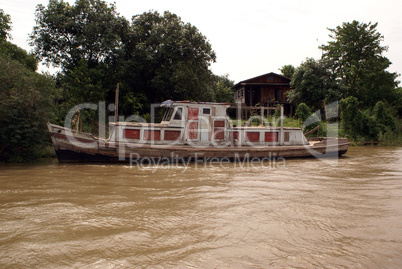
x,y
271,121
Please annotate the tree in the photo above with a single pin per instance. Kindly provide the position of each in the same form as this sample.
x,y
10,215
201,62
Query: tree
x,y
26,105
287,70
14,52
169,59
222,89
5,26
156,57
357,123
10,50
88,30
398,101
355,57
383,117
314,85
26,101
85,41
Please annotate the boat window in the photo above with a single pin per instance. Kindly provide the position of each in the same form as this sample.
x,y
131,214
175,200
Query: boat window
x,y
178,114
206,111
168,114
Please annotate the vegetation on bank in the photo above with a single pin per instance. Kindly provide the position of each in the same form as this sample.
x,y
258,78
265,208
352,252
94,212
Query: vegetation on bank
x,y
26,101
352,73
155,57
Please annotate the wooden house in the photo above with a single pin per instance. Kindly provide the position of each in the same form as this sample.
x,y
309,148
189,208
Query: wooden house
x,y
266,90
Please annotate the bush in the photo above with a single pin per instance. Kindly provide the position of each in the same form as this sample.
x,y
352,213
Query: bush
x,y
302,112
25,108
383,117
356,123
309,120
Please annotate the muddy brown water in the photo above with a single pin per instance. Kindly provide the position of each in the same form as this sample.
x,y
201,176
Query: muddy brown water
x,y
306,213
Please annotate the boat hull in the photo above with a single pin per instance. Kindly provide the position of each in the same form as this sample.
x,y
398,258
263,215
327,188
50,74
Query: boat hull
x,y
73,146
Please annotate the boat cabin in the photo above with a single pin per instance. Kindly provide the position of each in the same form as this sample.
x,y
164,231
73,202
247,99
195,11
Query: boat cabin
x,y
197,123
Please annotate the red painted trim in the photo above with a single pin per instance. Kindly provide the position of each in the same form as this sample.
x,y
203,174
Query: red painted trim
x,y
131,133
219,123
152,135
219,134
172,135
193,130
253,136
271,137
193,113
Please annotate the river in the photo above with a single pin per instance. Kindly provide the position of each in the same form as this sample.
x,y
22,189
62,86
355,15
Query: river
x,y
299,213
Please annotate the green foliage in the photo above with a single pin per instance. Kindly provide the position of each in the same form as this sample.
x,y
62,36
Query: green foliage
x,y
354,68
304,115
20,55
26,101
377,124
350,114
287,70
5,26
383,117
90,30
277,112
26,105
397,103
85,40
357,124
314,85
392,138
154,58
223,92
84,84
170,58
355,57
254,121
302,112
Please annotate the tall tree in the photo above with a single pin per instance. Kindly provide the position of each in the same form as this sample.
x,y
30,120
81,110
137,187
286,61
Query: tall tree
x,y
26,105
5,26
84,40
10,50
314,85
355,56
25,101
65,34
172,56
156,57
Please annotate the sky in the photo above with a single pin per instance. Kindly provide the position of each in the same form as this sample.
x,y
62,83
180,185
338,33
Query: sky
x,y
253,37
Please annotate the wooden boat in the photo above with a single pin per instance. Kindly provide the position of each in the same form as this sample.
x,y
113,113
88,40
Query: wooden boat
x,y
190,131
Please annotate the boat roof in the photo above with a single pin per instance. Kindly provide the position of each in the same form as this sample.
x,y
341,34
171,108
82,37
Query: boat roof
x,y
168,103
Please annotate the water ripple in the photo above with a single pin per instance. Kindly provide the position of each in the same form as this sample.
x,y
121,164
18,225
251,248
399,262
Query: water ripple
x,y
307,214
